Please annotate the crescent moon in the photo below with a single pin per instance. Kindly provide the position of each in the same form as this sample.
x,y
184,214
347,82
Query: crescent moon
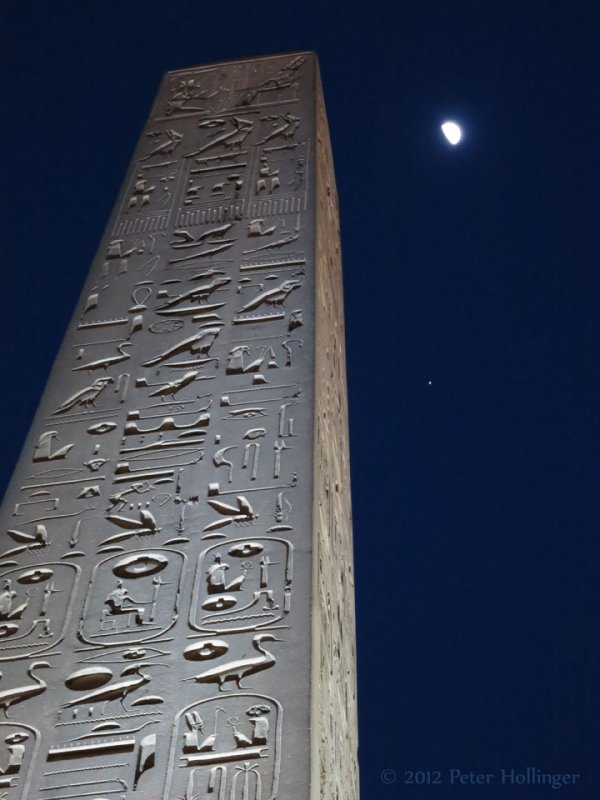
x,y
452,131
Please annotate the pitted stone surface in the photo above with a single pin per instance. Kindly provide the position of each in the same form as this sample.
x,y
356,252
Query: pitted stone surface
x,y
334,663
176,550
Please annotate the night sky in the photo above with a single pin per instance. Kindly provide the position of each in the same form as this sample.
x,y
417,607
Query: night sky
x,y
471,278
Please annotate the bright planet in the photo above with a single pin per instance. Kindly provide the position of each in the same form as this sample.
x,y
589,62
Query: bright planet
x,y
452,132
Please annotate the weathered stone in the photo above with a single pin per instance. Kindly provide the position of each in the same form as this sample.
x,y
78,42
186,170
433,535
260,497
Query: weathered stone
x,y
176,589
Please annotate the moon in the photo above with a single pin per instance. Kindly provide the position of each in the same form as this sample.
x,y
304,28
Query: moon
x,y
452,132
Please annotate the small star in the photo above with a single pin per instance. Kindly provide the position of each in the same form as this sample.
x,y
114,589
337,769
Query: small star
x,y
429,382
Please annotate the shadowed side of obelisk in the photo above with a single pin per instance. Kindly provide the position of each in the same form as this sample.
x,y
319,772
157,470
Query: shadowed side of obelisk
x,y
334,720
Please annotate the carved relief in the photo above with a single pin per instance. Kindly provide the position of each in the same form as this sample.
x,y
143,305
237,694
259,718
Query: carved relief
x,y
46,448
107,726
192,95
181,418
235,669
242,584
18,747
226,747
18,694
85,397
241,513
272,297
132,598
196,346
35,608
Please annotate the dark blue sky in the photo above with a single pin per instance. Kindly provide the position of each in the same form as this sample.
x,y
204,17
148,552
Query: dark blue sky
x,y
472,285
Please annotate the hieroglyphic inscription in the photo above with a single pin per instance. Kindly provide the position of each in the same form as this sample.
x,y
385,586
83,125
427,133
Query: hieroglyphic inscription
x,y
157,615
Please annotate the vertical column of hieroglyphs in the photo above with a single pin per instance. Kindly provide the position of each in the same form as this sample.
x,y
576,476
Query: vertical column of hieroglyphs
x,y
155,564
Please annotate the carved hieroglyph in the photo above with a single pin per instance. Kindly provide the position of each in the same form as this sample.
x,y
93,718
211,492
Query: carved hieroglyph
x,y
176,589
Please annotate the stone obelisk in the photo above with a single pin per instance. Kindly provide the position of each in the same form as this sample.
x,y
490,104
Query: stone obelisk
x,y
176,587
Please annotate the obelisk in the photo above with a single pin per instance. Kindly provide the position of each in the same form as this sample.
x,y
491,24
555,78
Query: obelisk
x,y
176,586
